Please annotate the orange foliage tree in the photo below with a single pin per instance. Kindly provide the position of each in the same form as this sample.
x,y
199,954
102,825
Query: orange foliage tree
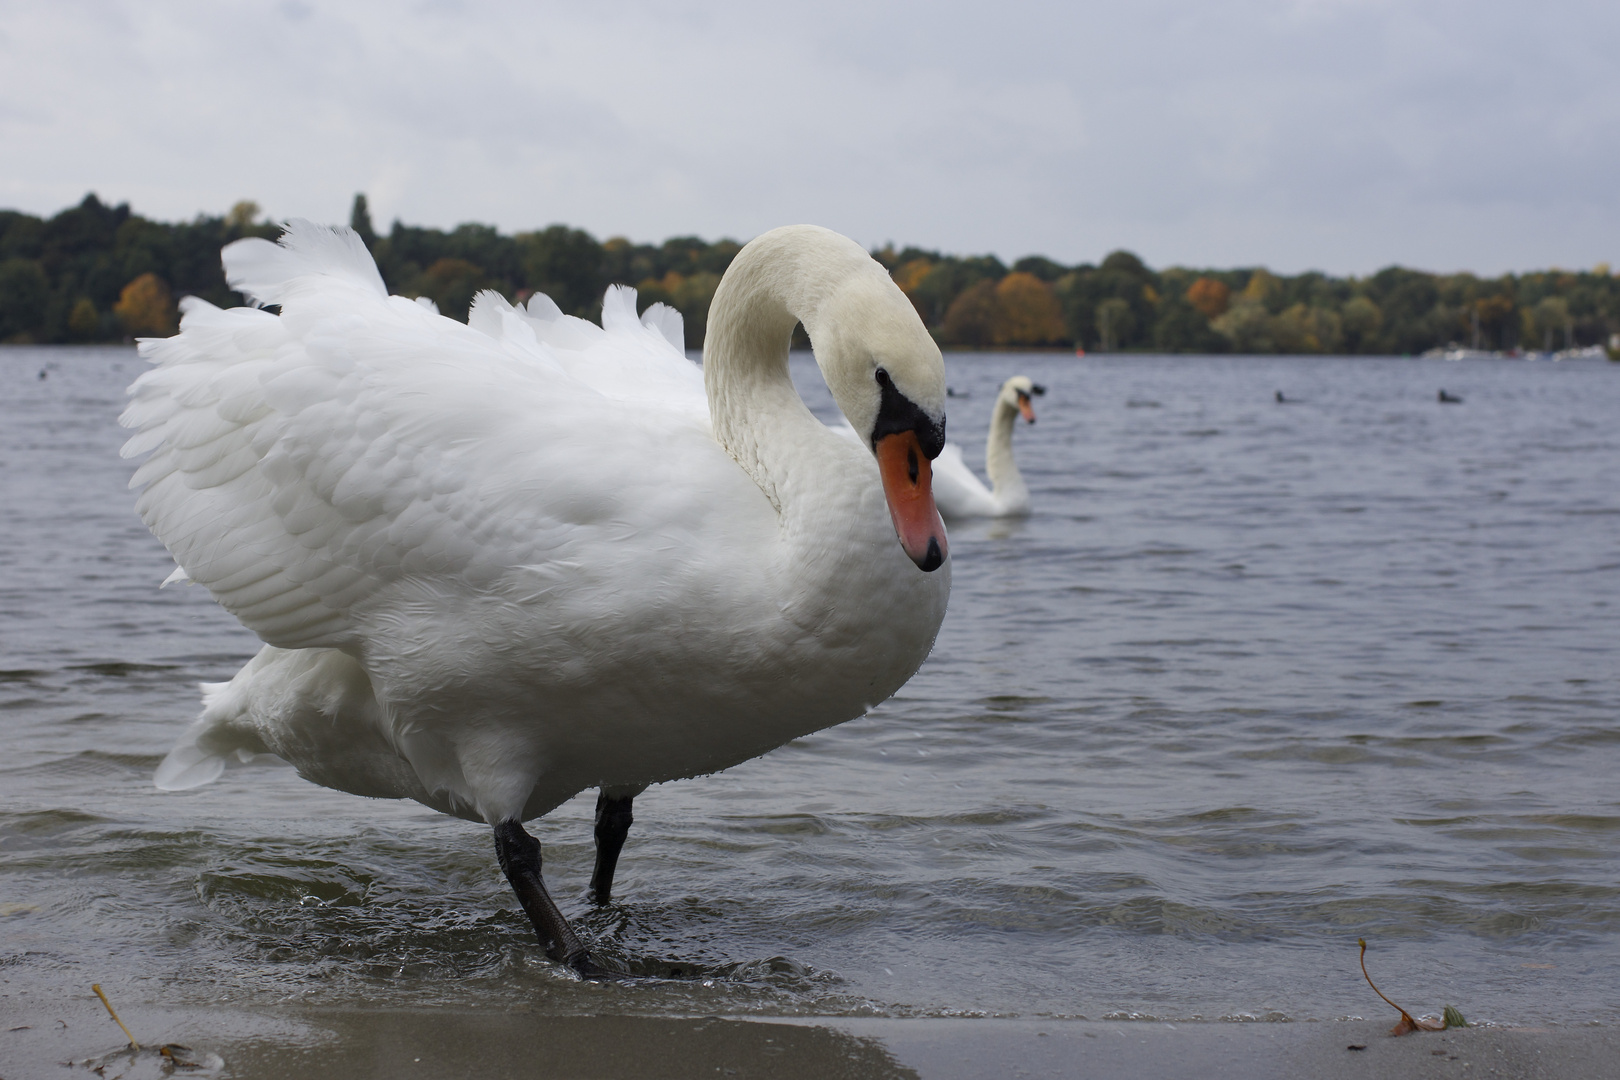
x,y
910,275
1210,296
146,308
1028,312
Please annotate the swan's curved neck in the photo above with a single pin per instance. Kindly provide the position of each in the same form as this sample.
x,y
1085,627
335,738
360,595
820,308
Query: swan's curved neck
x,y
773,284
1005,479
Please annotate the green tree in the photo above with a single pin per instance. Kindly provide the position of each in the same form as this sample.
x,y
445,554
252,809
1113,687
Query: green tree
x,y
84,322
1040,266
1361,321
1114,323
359,219
567,265
1302,328
23,292
1247,325
451,284
974,316
1183,328
1550,316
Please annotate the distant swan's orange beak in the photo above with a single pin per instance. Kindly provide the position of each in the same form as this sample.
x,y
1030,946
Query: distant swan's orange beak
x,y
1025,408
908,487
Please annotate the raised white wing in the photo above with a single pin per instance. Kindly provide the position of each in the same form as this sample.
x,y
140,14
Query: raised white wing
x,y
300,462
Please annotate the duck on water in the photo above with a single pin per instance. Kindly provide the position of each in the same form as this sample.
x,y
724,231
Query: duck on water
x,y
497,564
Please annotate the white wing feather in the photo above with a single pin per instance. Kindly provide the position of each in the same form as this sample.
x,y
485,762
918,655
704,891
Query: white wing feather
x,y
300,463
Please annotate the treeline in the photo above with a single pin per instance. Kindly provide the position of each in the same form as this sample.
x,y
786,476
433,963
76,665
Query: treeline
x,y
100,273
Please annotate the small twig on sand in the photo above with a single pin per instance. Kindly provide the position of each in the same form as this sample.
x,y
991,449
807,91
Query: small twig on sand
x,y
136,1046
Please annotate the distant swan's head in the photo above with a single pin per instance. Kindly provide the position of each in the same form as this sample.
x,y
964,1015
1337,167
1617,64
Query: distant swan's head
x,y
888,378
1017,392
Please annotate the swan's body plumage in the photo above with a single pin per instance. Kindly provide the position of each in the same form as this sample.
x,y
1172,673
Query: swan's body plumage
x,y
495,564
961,494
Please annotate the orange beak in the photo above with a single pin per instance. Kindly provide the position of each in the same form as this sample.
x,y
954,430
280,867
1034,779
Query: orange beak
x,y
908,487
1025,409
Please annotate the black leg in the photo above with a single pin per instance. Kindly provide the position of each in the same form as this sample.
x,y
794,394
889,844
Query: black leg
x,y
613,822
519,854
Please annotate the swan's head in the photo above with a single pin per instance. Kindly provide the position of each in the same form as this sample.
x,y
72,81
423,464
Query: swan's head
x,y
1017,392
888,377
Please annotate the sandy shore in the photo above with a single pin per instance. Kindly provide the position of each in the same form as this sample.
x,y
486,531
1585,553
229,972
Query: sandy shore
x,y
360,1044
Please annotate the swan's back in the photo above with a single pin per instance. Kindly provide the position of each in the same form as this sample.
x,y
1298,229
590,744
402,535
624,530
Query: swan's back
x,y
957,491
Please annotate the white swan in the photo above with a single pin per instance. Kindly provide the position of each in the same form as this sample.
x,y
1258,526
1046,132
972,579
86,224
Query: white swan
x,y
958,492
496,564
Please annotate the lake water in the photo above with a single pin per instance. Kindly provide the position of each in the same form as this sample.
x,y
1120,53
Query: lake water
x,y
1254,681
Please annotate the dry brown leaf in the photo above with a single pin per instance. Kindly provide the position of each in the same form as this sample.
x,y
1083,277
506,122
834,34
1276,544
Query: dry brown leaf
x,y
1407,1024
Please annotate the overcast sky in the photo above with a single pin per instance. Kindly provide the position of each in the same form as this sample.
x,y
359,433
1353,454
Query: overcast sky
x,y
1341,135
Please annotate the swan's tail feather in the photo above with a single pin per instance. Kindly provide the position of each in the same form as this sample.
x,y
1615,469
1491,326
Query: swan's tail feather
x,y
265,272
543,307
207,746
619,316
187,766
619,309
668,322
626,359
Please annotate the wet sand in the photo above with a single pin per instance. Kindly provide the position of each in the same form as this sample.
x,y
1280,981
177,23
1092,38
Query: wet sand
x,y
361,1044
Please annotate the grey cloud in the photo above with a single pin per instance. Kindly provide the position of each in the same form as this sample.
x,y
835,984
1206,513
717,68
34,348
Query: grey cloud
x,y
1343,134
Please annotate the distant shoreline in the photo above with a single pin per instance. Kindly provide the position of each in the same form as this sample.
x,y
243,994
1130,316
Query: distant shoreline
x,y
97,273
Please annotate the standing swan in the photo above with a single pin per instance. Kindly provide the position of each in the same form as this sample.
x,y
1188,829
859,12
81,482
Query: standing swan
x,y
497,564
959,493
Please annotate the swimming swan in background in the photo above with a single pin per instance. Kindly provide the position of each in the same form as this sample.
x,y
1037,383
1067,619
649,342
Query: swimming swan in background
x,y
497,564
958,492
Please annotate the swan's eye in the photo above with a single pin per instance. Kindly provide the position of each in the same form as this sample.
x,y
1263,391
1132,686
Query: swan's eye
x,y
883,378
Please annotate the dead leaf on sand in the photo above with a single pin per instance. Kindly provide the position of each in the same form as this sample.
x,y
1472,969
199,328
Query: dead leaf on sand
x,y
1453,1016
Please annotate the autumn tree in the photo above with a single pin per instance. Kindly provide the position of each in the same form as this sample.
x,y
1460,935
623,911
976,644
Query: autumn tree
x,y
909,275
244,213
690,294
1210,296
1028,312
145,307
1264,288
